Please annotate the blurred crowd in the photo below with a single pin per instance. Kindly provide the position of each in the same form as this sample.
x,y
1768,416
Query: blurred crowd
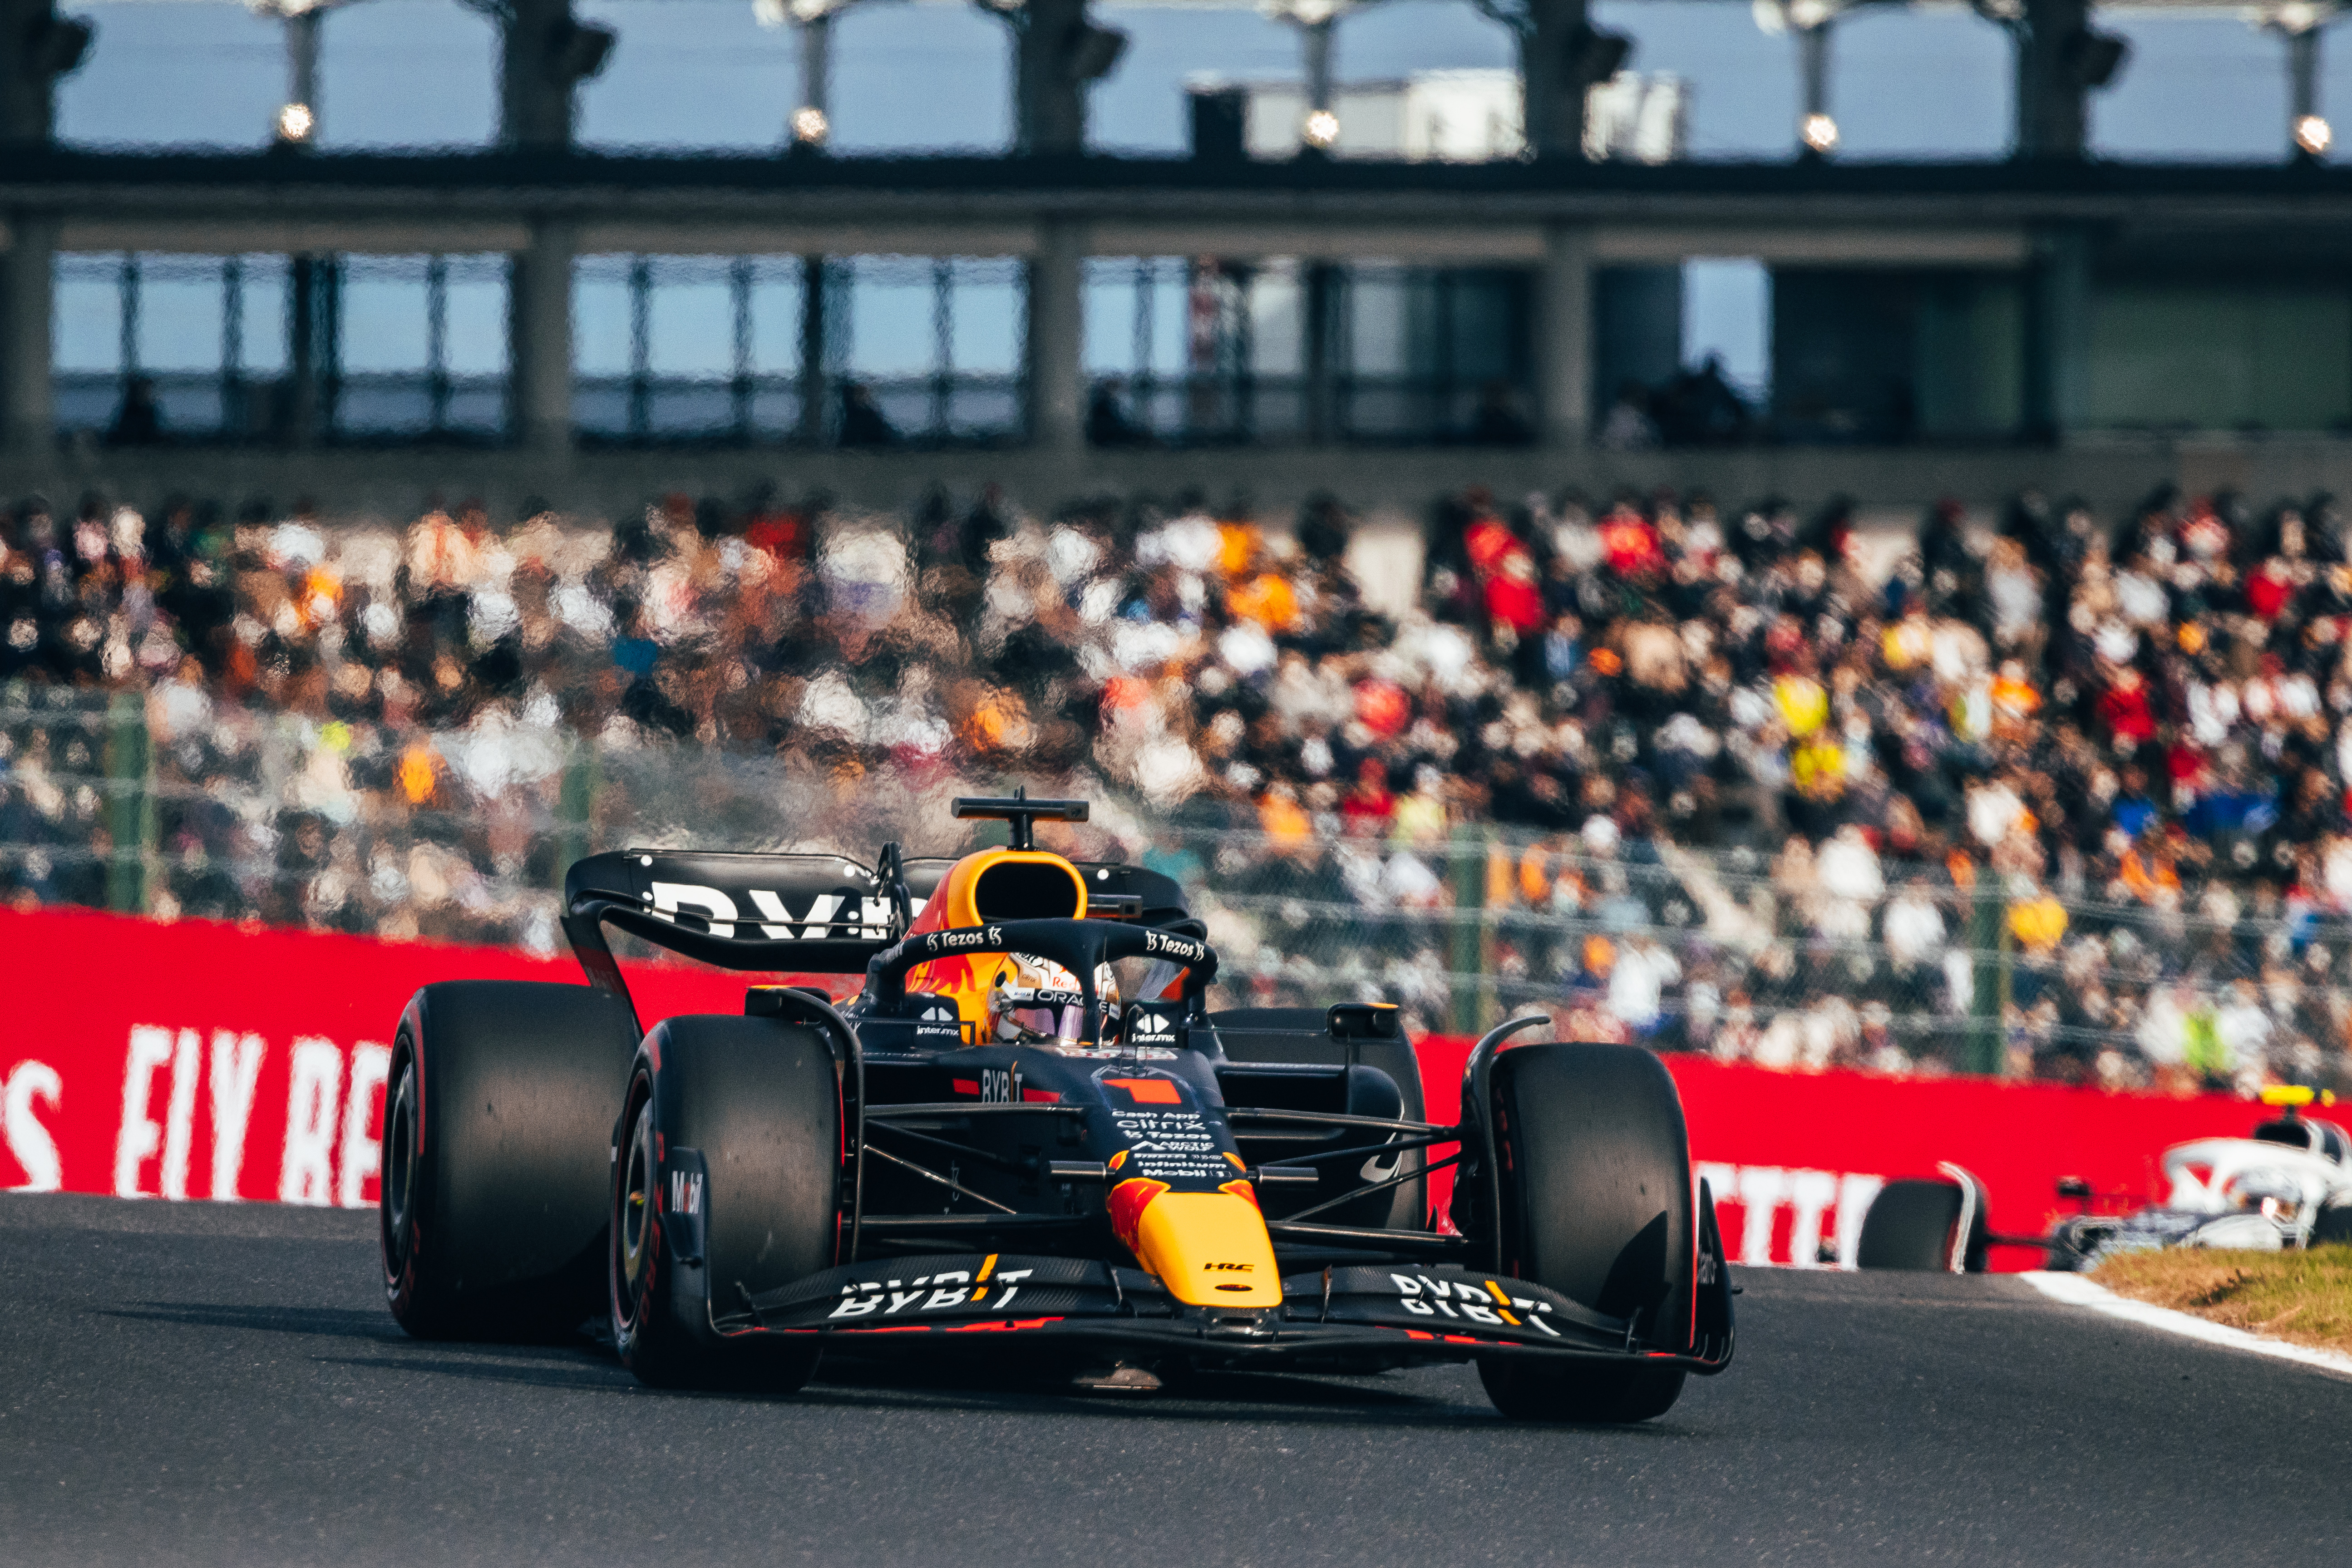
x,y
2040,792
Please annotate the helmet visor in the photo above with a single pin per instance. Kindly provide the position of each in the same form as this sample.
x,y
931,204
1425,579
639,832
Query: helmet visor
x,y
1042,1017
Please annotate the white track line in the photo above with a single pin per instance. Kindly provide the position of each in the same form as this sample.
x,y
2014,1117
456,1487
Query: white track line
x,y
2077,1292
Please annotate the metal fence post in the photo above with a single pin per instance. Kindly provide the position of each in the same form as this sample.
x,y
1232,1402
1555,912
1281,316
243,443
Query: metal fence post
x,y
130,802
1984,1053
1467,871
575,807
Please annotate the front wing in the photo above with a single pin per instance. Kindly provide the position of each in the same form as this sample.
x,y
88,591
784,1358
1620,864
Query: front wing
x,y
1394,1314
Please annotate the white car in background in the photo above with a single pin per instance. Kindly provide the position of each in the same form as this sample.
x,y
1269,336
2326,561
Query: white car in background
x,y
2288,1185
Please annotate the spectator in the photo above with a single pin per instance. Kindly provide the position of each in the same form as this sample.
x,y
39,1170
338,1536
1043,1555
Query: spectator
x,y
2133,774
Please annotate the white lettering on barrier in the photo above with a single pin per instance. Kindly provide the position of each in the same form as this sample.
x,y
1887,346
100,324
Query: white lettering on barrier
x,y
362,1155
236,1075
28,1141
180,1116
1761,1188
1812,1197
1810,1193
307,1175
1855,1195
139,1138
333,1148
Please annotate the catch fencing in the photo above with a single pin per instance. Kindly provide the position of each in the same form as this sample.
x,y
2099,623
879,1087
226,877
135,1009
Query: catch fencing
x,y
177,805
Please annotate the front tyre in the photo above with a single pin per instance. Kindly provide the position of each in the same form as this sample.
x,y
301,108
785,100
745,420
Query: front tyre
x,y
1596,1202
725,1185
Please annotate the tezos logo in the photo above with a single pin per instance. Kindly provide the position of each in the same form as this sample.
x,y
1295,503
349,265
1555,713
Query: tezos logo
x,y
1174,946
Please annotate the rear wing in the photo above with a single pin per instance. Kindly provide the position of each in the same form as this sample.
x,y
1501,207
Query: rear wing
x,y
817,914
800,913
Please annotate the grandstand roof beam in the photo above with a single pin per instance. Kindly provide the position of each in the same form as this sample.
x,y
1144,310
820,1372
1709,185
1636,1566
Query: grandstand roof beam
x,y
2057,333
1059,53
27,409
538,322
1564,338
1562,58
544,54
1056,342
37,47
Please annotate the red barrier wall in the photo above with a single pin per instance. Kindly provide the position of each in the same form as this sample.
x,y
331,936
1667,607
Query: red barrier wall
x,y
206,1060
1793,1158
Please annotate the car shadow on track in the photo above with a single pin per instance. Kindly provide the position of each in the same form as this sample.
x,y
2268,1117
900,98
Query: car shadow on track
x,y
348,1323
1207,1398
576,1372
585,1365
338,1323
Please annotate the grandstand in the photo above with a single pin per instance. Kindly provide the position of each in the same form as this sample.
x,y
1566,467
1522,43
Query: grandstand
x,y
1975,697
2021,799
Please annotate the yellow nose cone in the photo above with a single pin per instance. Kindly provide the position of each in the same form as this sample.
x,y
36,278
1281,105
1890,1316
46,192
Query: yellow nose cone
x,y
1209,1249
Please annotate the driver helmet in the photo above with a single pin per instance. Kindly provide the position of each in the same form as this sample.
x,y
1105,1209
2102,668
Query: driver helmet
x,y
2273,1193
1033,1001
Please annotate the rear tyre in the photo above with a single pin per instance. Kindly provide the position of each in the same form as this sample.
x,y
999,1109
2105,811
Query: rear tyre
x,y
1596,1203
749,1111
497,1156
1914,1226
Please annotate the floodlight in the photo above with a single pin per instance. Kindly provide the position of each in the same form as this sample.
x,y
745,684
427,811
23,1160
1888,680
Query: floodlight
x,y
1322,130
1819,133
2313,135
296,123
809,127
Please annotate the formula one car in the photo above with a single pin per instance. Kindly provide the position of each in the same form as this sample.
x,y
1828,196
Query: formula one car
x,y
2287,1185
984,1152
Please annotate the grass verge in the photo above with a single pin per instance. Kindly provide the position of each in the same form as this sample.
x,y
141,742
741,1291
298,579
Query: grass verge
x,y
2301,1296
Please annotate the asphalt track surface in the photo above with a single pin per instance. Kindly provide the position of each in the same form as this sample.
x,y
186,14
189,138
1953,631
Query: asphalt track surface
x,y
205,1384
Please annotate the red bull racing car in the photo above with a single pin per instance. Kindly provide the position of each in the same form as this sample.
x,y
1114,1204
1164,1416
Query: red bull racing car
x,y
985,1150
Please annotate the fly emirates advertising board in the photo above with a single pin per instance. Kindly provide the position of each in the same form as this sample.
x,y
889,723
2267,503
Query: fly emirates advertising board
x,y
202,1061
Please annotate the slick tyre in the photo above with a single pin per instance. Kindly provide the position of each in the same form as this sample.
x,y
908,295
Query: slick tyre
x,y
726,1183
498,1133
1595,1202
1914,1226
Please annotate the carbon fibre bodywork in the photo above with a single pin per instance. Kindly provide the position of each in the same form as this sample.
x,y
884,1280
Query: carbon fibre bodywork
x,y
1138,1192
